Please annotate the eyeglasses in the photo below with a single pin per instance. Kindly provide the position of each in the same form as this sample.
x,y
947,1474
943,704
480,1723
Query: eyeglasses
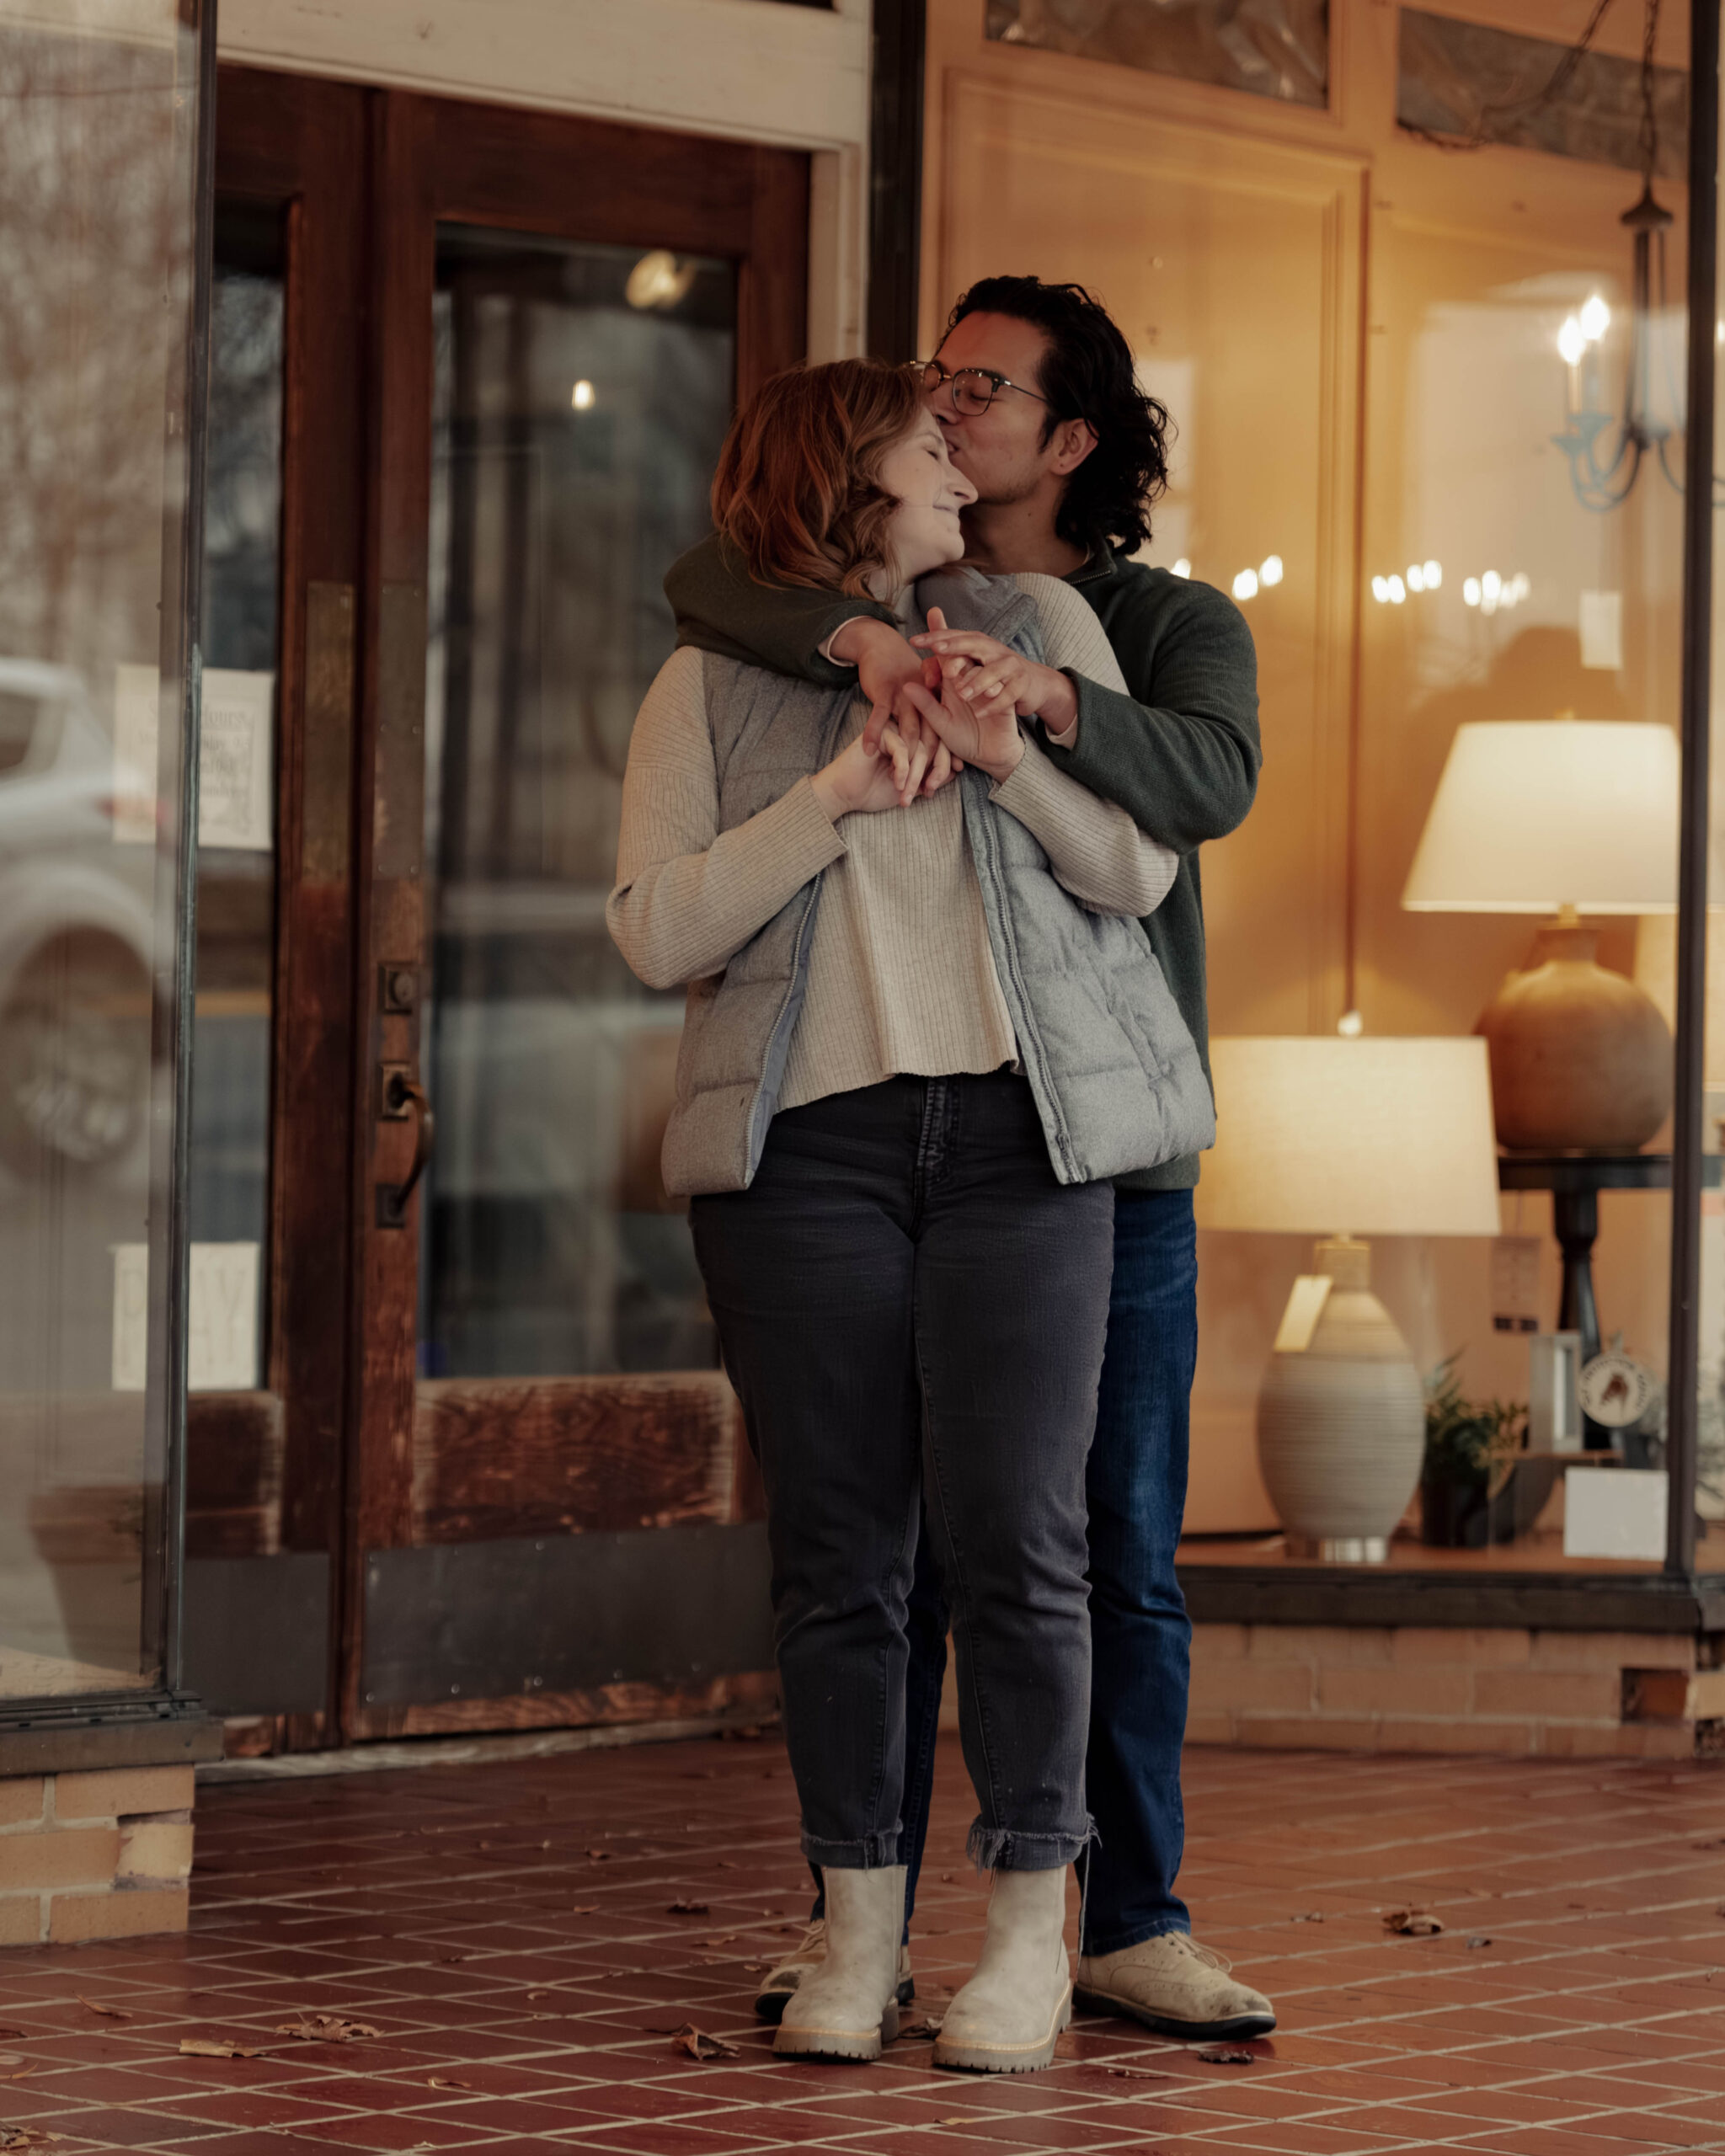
x,y
972,389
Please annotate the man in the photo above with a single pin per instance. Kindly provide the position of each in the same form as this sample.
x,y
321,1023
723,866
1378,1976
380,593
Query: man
x,y
1034,388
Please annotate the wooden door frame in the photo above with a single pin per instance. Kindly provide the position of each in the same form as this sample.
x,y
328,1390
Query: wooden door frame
x,y
265,1469
437,160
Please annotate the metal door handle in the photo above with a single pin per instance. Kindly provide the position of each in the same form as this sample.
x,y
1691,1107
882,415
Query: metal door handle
x,y
404,1096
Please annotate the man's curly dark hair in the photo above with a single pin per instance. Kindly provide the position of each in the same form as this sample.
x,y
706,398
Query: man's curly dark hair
x,y
1087,374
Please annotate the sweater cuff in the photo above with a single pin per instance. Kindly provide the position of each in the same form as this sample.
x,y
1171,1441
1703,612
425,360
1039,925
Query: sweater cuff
x,y
1031,785
798,833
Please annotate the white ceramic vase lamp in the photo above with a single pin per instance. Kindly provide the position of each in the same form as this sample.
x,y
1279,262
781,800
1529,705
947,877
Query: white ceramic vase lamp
x,y
1342,1140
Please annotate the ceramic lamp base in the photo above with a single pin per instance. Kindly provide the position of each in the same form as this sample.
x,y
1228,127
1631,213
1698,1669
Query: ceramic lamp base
x,y
1581,1057
1341,1423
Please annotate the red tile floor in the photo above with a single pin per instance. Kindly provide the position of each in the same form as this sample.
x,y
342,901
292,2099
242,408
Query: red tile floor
x,y
512,1932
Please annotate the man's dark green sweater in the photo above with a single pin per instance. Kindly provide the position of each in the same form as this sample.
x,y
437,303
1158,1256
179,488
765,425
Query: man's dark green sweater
x,y
1180,753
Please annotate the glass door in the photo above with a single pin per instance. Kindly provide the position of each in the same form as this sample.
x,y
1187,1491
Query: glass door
x,y
568,311
581,393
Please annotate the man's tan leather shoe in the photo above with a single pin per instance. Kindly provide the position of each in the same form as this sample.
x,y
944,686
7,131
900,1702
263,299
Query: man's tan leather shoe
x,y
1174,1986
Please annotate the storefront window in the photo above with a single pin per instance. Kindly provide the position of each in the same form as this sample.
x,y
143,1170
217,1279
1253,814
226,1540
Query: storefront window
x,y
100,105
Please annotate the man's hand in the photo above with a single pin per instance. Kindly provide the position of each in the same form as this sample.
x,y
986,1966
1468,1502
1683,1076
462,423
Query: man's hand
x,y
998,680
902,687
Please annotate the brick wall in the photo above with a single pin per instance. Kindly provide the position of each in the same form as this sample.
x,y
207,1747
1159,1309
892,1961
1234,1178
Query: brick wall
x,y
1420,1689
101,1855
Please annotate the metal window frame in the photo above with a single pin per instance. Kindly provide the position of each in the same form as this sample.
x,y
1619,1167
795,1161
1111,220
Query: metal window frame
x,y
163,1724
1684,1352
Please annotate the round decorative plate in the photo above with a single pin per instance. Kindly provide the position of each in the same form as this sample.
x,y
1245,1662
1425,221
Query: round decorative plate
x,y
1616,1390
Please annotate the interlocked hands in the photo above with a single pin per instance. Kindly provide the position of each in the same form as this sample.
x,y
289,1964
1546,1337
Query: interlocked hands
x,y
945,699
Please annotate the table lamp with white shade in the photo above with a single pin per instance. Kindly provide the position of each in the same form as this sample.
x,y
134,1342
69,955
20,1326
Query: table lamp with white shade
x,y
1561,817
1341,1139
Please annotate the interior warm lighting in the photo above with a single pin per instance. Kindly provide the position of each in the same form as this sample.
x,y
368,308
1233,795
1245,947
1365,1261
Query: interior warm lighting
x,y
1572,342
1416,576
1595,319
1433,571
1398,590
581,396
657,281
1470,592
1350,1025
1246,584
1270,570
1381,589
1183,567
1533,815
1491,585
1371,1137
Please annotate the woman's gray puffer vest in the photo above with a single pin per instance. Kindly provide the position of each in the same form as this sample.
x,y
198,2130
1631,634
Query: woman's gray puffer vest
x,y
1114,1072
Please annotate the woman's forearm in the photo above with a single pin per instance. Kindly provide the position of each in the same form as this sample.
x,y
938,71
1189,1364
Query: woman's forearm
x,y
1095,849
679,917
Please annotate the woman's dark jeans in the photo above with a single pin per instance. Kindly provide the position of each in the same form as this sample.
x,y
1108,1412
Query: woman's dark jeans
x,y
909,1303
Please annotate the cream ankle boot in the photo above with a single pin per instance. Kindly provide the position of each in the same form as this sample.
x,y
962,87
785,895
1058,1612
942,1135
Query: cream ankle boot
x,y
848,2007
1006,2019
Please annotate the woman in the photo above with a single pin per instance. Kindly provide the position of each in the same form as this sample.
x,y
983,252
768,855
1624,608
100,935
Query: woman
x,y
923,1029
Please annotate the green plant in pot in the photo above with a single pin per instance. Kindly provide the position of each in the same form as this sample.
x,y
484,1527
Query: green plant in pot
x,y
1467,1485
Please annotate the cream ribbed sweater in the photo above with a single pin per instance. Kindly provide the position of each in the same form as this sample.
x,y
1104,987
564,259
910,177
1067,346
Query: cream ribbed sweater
x,y
901,978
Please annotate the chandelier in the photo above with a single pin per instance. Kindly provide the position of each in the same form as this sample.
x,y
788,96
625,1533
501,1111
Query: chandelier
x,y
1606,449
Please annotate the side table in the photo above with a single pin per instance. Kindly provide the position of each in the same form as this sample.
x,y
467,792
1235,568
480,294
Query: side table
x,y
1575,1181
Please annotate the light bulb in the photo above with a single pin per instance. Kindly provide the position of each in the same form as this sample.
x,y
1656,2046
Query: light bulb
x,y
1572,342
1595,319
1433,571
1469,591
1380,590
1183,567
1398,591
1246,584
581,396
1350,1025
1270,570
1416,576
1491,585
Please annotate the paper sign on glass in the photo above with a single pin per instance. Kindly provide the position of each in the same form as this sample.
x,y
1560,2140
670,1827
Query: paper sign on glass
x,y
1305,1306
137,703
222,1326
235,763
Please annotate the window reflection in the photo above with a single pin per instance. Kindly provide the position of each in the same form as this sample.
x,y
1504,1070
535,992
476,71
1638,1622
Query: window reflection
x,y
581,398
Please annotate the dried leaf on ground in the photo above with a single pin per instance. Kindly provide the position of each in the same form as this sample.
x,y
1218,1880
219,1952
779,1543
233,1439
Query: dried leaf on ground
x,y
1139,2073
25,2137
926,2025
726,1939
447,2081
601,1856
13,2066
584,1909
1411,1924
218,2047
1311,1916
690,1909
1227,2055
1480,1939
96,2006
725,1864
699,2045
325,2029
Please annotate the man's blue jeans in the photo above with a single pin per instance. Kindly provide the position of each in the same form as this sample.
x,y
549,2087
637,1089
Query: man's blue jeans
x,y
1140,1635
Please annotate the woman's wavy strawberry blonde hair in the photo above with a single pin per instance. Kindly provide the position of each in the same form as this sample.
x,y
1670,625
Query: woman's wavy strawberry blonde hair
x,y
797,489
